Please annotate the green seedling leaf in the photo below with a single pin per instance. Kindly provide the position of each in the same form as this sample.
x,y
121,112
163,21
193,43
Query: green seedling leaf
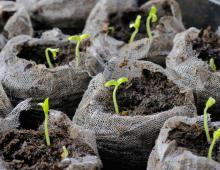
x,y
152,17
210,102
110,83
78,39
65,153
116,83
212,64
45,107
54,55
216,136
122,80
136,26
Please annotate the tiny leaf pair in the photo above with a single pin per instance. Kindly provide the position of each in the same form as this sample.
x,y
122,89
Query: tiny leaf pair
x,y
211,101
136,26
54,55
116,83
78,39
152,17
45,107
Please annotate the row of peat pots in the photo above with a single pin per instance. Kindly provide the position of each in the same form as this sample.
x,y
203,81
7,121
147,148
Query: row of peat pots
x,y
120,95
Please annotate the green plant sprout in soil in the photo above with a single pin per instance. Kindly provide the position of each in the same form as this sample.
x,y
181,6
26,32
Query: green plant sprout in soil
x,y
136,26
216,136
78,39
122,20
193,139
116,83
54,55
152,17
207,46
211,101
212,64
45,107
65,153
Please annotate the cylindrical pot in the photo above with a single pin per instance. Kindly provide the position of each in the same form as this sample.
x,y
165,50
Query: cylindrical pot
x,y
146,101
182,144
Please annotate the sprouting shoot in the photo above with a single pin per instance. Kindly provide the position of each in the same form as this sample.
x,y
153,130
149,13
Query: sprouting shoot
x,y
116,83
136,26
54,55
45,107
78,39
152,17
211,101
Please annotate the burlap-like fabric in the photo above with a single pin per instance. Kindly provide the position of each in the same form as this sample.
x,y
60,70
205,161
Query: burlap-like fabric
x,y
183,62
169,23
23,78
125,142
167,155
58,120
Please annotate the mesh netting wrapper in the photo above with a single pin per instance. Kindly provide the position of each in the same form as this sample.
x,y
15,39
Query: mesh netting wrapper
x,y
24,73
126,141
186,62
169,154
66,14
117,15
80,144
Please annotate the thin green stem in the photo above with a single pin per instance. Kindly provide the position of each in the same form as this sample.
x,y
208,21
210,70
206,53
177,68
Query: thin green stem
x,y
211,148
206,125
48,58
133,36
46,130
148,28
115,100
77,53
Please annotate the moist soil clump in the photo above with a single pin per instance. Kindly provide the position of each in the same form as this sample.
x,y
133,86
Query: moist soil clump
x,y
208,46
149,94
194,140
120,21
27,149
36,52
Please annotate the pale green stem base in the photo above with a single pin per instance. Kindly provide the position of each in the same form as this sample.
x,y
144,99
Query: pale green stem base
x,y
211,148
133,36
46,131
48,59
115,100
206,126
77,53
148,28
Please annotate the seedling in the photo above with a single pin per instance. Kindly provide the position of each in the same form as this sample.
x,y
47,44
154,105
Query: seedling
x,y
212,64
216,136
65,153
152,17
211,101
136,26
54,55
116,83
78,39
45,107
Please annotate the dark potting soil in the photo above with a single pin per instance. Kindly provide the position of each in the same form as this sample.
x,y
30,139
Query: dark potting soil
x,y
194,139
149,94
208,46
120,21
26,149
36,52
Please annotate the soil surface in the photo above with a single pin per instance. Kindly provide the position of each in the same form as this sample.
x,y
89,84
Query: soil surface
x,y
208,46
194,139
120,21
149,94
36,52
26,149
